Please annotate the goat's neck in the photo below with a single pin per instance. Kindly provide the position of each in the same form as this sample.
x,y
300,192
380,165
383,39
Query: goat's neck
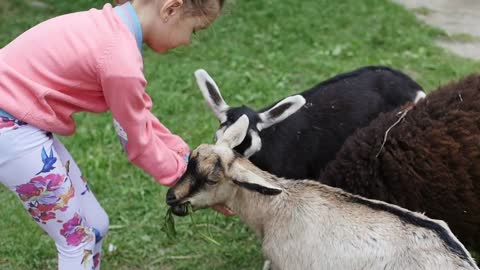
x,y
255,209
258,210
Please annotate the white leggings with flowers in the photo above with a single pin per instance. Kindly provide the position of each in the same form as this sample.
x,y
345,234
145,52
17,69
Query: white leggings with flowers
x,y
36,166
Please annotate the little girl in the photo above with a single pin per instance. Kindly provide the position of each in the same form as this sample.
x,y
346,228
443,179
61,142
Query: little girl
x,y
87,61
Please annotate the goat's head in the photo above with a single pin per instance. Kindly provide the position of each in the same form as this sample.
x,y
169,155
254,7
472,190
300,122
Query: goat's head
x,y
257,120
215,172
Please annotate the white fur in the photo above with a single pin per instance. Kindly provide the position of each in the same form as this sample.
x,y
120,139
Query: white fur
x,y
419,96
246,176
219,133
235,134
267,121
256,144
219,110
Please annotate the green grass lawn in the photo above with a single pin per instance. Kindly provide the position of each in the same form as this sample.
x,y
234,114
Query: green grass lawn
x,y
258,52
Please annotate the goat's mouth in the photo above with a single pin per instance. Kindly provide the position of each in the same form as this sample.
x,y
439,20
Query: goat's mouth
x,y
184,209
180,210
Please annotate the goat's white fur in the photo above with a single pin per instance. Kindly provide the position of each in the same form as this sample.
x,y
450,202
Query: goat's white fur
x,y
419,96
256,144
267,120
235,134
219,110
246,176
313,226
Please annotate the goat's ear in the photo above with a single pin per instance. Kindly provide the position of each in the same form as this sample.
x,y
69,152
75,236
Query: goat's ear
x,y
250,180
211,94
280,111
235,134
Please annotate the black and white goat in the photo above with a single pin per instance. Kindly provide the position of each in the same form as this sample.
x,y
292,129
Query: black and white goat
x,y
307,225
297,136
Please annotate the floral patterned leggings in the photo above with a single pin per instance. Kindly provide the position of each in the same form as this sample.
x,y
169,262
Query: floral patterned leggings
x,y
37,167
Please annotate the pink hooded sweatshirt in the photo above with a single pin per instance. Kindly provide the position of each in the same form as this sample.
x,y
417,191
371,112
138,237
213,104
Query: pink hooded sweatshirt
x,y
90,61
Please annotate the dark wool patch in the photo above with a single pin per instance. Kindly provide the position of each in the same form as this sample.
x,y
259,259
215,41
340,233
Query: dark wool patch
x,y
369,69
430,162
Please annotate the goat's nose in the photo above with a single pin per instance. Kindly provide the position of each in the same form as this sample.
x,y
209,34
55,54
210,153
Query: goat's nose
x,y
171,198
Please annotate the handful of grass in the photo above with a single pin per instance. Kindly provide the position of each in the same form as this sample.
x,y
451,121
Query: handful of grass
x,y
169,222
169,225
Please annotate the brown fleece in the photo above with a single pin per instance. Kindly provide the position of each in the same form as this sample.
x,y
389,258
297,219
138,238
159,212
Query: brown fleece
x,y
429,163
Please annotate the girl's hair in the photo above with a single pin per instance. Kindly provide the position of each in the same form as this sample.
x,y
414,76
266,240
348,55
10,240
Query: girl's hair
x,y
201,7
195,7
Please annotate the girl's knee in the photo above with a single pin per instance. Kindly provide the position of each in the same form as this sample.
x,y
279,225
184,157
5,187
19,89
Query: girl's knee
x,y
100,223
104,224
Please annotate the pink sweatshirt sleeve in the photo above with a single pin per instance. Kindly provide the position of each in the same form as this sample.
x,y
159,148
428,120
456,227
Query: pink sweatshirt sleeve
x,y
149,144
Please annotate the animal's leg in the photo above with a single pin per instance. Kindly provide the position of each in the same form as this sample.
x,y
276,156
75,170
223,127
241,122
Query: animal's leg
x,y
267,265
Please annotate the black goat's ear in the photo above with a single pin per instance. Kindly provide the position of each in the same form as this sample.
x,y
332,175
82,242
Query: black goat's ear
x,y
280,111
251,181
211,94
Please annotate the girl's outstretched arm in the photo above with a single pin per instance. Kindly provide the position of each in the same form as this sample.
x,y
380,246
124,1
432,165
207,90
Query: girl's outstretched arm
x,y
148,143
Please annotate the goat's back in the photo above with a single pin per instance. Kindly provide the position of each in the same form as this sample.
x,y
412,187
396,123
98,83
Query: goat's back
x,y
318,227
306,141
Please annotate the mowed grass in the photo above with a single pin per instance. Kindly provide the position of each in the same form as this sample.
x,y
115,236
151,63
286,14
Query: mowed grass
x,y
258,52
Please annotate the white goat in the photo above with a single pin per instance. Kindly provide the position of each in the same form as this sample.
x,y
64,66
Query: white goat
x,y
307,225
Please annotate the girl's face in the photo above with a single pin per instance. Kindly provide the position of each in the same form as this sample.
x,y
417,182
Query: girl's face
x,y
175,24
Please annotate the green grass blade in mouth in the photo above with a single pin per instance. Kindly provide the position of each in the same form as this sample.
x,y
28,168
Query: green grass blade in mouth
x,y
169,225
169,221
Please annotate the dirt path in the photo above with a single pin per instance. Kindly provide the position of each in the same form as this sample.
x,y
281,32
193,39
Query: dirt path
x,y
457,18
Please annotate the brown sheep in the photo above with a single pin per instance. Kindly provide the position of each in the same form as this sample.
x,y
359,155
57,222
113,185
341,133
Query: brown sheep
x,y
425,158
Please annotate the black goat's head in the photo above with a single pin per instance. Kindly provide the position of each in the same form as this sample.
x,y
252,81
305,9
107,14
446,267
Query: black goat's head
x,y
257,120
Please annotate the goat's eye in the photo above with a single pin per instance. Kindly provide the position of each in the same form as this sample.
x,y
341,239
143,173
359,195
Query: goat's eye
x,y
210,182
